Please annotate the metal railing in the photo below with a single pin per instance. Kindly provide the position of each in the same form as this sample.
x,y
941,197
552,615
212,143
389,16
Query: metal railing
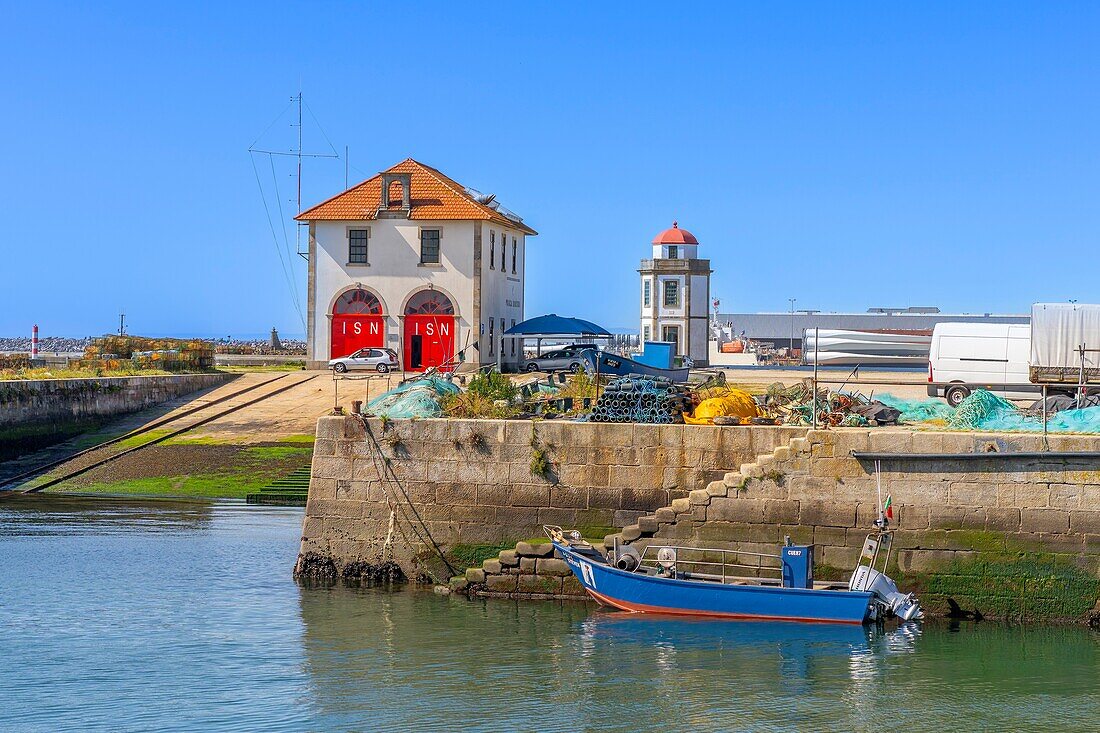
x,y
724,564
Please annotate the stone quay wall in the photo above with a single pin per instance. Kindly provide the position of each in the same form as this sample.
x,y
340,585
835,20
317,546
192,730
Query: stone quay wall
x,y
462,483
41,401
1009,537
1006,536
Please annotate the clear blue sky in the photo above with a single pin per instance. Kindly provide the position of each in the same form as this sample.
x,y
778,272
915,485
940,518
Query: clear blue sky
x,y
850,156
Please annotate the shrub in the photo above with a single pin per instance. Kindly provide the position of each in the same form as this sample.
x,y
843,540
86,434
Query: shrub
x,y
493,386
471,405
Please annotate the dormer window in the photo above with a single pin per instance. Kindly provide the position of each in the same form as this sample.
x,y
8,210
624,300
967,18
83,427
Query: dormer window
x,y
396,200
673,252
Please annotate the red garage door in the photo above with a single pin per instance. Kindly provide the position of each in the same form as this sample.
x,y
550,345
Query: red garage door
x,y
357,321
429,331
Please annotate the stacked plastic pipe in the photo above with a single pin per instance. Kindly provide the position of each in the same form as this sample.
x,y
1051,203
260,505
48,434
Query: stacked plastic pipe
x,y
641,399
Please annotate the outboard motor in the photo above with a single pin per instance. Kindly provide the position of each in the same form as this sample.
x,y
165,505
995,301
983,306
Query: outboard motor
x,y
903,605
866,578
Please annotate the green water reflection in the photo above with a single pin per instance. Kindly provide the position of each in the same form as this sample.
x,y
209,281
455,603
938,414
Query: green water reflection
x,y
130,615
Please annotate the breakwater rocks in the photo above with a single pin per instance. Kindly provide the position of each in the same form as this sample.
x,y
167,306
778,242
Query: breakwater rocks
x,y
1009,536
312,566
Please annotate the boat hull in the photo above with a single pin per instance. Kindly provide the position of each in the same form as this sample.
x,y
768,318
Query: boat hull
x,y
640,593
621,366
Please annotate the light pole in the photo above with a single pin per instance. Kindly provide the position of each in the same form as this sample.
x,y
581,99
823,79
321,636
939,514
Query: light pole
x,y
790,348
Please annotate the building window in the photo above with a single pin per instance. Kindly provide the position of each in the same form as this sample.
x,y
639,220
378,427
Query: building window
x,y
513,255
672,293
429,246
645,333
645,293
674,252
503,252
671,334
357,246
502,328
492,250
513,340
492,337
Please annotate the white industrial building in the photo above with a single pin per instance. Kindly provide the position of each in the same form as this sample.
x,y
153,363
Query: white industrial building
x,y
675,294
414,261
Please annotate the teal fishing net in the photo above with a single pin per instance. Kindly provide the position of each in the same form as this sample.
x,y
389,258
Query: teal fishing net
x,y
418,398
917,410
986,411
980,408
1075,421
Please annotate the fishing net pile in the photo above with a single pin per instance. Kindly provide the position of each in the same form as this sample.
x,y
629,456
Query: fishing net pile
x,y
418,398
795,405
726,405
911,411
984,410
642,399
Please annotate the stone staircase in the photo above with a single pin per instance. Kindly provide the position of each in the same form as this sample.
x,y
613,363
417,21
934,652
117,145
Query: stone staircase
x,y
289,490
529,570
694,506
532,571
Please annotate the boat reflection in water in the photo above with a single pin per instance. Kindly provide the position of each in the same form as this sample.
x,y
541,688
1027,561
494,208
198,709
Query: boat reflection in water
x,y
789,651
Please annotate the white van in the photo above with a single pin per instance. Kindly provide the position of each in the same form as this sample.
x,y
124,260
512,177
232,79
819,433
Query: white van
x,y
991,356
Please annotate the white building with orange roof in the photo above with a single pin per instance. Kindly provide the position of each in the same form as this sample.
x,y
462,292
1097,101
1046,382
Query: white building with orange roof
x,y
676,294
413,261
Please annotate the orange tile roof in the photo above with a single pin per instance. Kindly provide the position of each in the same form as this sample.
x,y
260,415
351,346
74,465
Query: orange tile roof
x,y
433,196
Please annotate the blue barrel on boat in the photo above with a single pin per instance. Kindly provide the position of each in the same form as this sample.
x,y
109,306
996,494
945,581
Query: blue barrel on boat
x,y
798,566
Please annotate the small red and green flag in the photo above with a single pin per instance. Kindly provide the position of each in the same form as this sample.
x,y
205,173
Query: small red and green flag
x,y
888,507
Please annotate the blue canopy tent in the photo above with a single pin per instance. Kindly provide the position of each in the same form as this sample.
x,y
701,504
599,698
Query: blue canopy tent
x,y
552,326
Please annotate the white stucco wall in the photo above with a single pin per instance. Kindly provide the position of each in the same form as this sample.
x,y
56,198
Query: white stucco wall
x,y
502,293
394,272
690,314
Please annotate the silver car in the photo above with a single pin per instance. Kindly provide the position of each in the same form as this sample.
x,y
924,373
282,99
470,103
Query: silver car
x,y
571,358
378,360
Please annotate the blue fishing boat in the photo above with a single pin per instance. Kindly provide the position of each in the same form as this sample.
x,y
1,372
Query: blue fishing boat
x,y
734,584
615,365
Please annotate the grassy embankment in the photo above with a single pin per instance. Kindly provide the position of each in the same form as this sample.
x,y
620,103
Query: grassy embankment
x,y
197,467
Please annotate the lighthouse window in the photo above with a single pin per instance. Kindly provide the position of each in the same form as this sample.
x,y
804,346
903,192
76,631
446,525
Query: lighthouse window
x,y
645,293
674,252
672,293
357,246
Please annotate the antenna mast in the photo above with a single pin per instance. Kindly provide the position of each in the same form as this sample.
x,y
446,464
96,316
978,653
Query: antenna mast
x,y
298,228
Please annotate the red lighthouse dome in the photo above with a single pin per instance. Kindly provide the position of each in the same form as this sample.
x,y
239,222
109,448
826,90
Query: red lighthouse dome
x,y
675,235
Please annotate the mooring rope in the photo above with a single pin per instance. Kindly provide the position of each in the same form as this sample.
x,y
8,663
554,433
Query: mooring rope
x,y
388,471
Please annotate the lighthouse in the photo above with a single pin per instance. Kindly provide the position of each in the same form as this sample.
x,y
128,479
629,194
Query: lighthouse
x,y
675,293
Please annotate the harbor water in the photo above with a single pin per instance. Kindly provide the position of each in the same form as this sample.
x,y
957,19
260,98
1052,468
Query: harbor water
x,y
129,615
